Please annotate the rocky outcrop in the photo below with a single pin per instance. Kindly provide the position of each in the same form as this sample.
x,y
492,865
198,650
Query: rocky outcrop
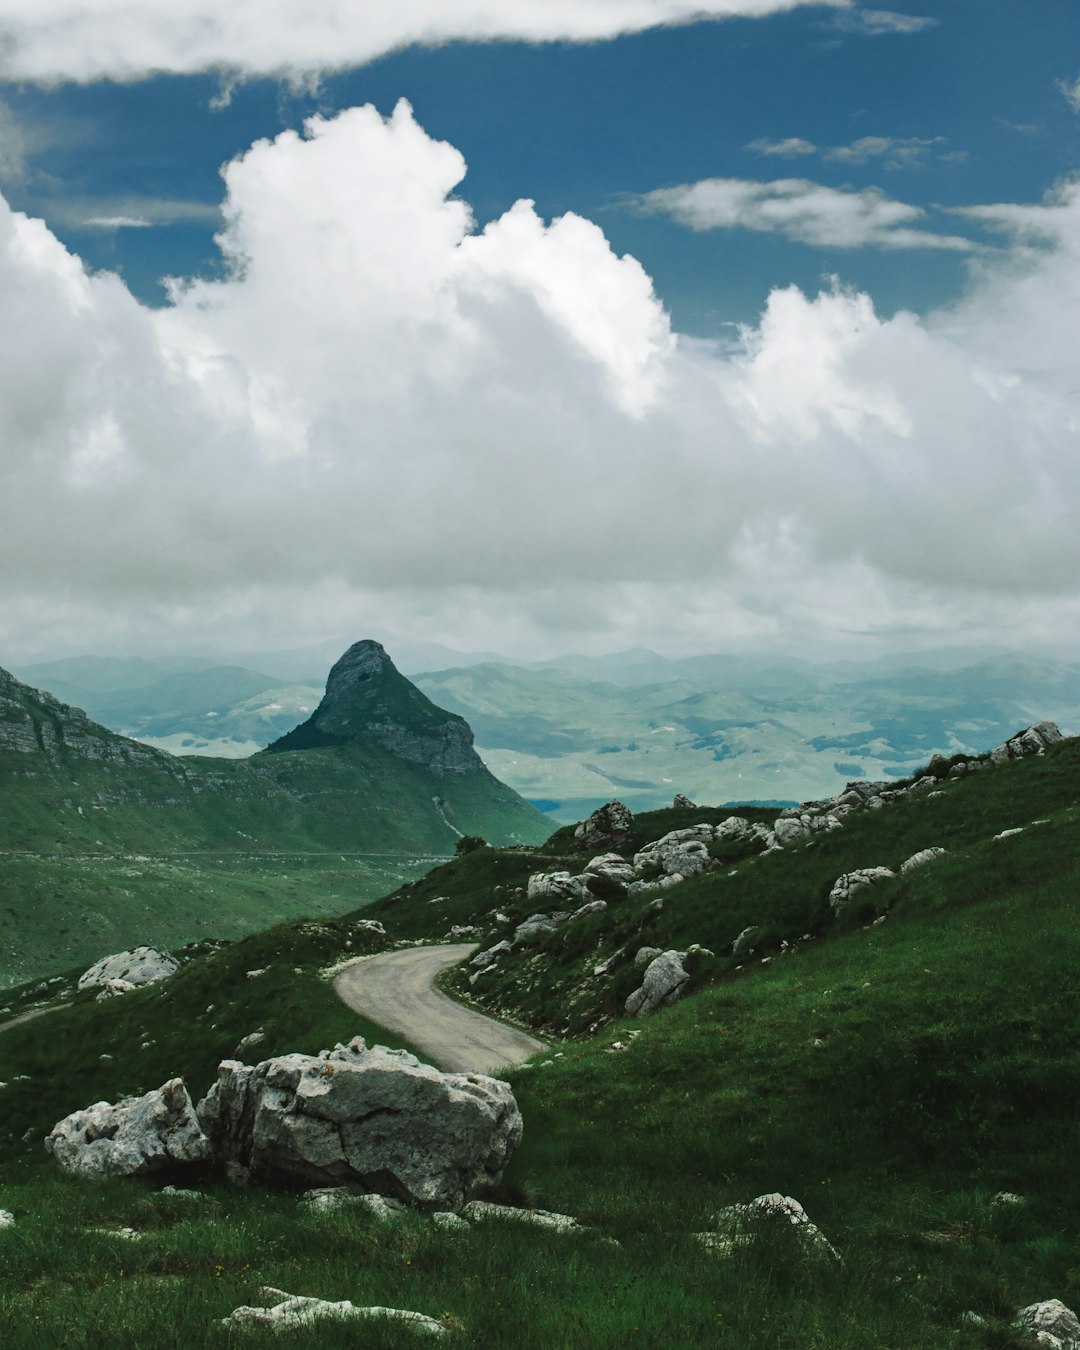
x,y
608,876
370,1116
296,1312
773,1214
559,886
482,960
135,1137
924,857
609,828
680,853
682,803
1049,1324
848,886
664,981
1032,741
141,965
368,698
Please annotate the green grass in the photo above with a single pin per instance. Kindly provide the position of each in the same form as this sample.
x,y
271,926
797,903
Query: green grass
x,y
892,1078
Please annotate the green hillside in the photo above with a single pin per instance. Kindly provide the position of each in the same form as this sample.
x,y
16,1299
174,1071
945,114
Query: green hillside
x,y
894,1076
396,785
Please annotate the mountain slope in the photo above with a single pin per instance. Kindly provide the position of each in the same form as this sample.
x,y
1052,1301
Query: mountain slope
x,y
392,775
894,1078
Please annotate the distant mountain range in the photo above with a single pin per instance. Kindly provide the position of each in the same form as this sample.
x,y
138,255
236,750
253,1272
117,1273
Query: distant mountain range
x,y
570,733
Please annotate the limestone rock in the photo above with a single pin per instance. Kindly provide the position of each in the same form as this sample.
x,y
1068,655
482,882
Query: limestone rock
x,y
295,1313
536,923
790,830
481,1210
374,1117
682,803
1050,1324
608,828
113,989
593,907
484,959
335,1197
920,859
681,853
646,954
1031,741
557,886
608,876
848,885
6,1218
135,1137
744,943
741,1224
664,982
141,965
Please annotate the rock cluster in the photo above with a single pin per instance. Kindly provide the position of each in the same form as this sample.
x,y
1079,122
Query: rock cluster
x,y
375,1117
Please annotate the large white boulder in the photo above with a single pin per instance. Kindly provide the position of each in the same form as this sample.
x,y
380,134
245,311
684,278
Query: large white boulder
x,y
1032,741
371,1116
663,983
134,1137
1050,1324
846,887
141,965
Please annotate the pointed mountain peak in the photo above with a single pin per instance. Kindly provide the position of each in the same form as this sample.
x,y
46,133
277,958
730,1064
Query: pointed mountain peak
x,y
368,699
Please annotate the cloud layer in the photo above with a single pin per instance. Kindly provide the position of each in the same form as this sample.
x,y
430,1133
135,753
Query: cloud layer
x,y
801,210
382,418
48,40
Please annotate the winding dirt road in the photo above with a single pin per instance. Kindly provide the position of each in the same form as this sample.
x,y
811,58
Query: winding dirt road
x,y
397,990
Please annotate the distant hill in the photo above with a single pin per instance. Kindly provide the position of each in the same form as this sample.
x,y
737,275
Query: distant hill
x,y
385,773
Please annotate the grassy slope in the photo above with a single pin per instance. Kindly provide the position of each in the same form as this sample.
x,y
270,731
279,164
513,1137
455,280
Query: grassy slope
x,y
893,1078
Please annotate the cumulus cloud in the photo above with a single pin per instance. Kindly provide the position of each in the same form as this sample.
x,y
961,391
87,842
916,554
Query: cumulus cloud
x,y
801,210
381,418
49,40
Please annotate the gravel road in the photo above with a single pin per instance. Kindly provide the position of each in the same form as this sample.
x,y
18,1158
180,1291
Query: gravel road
x,y
397,990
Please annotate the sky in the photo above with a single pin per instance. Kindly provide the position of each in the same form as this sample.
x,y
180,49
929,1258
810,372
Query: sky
x,y
539,326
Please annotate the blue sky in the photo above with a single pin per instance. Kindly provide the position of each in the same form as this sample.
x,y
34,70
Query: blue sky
x,y
968,108
780,358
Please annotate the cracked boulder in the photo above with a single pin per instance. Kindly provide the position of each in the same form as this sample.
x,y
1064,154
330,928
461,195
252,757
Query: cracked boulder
x,y
133,1138
608,828
141,965
1049,1324
366,1116
847,887
664,981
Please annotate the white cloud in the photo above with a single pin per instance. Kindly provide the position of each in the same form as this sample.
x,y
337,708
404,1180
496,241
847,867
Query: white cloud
x,y
897,151
801,210
790,147
875,22
49,40
117,223
382,420
1071,92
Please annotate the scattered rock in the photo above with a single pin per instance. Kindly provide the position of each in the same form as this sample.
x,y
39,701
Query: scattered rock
x,y
370,1116
556,886
682,853
1032,741
1007,1199
134,1137
462,932
113,989
790,831
536,923
484,959
848,885
481,1210
741,1224
1008,834
372,927
141,965
920,859
254,974
445,1218
664,981
6,1218
608,828
593,907
646,954
744,943
334,1197
294,1312
250,1041
1050,1324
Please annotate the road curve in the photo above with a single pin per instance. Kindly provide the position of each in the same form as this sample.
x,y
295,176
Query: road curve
x,y
397,990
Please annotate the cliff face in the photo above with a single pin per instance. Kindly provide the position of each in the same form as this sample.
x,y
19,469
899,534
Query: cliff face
x,y
368,698
34,722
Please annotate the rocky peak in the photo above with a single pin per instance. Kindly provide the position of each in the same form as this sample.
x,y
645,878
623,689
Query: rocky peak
x,y
367,698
